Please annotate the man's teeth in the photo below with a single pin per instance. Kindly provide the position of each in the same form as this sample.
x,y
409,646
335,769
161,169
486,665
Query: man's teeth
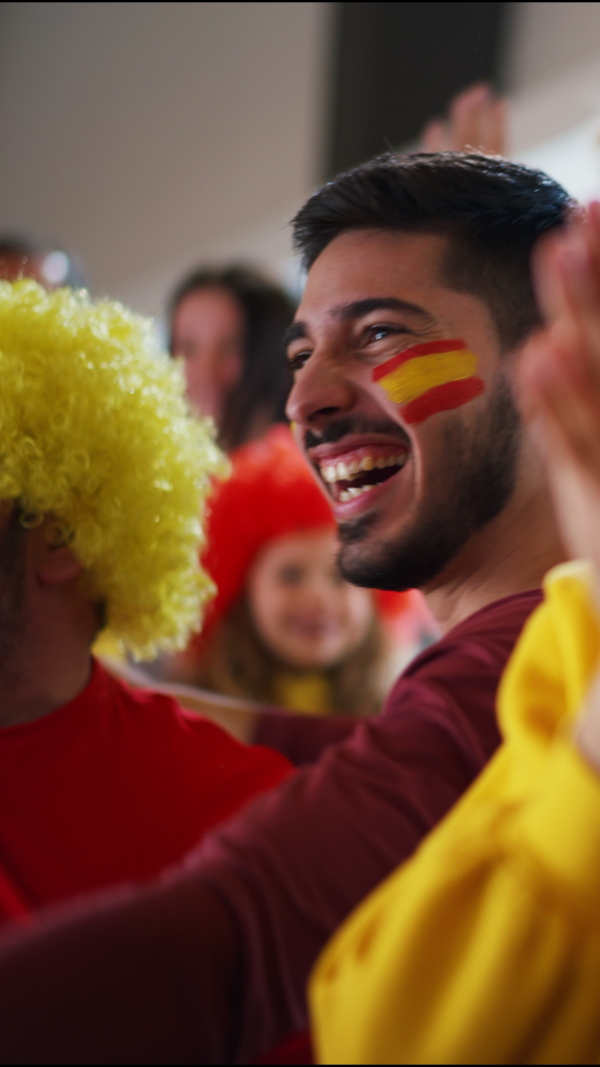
x,y
345,472
352,491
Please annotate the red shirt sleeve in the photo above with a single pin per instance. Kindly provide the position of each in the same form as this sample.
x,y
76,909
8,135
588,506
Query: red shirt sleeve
x,y
293,866
214,961
301,738
12,904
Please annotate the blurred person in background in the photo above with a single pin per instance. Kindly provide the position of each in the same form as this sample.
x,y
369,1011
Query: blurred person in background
x,y
285,628
103,479
228,325
47,262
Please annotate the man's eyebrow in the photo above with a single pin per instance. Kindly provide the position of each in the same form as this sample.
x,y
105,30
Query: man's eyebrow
x,y
294,332
357,308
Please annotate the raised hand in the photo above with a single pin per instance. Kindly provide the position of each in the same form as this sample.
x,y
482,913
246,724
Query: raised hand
x,y
560,379
560,386
476,120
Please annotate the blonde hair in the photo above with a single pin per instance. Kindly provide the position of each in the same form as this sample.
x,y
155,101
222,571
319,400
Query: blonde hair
x,y
95,431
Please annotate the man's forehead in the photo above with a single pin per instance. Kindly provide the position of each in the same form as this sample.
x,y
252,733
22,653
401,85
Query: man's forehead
x,y
367,263
373,270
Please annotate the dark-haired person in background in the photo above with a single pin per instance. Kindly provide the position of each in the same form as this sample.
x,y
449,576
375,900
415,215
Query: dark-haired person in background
x,y
227,325
407,258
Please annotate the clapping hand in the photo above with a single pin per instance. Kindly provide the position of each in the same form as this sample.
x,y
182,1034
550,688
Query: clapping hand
x,y
560,379
476,120
560,387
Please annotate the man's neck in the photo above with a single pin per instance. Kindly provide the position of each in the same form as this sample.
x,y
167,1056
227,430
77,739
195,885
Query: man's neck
x,y
511,554
50,666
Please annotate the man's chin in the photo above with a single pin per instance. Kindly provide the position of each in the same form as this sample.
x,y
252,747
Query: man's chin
x,y
370,565
409,561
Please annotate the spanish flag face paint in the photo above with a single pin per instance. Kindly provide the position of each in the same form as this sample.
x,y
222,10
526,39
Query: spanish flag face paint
x,y
426,379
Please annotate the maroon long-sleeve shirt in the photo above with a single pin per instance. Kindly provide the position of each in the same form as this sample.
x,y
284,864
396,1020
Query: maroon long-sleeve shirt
x,y
214,962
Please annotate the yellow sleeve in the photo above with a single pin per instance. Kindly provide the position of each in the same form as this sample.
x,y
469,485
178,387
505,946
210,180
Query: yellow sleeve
x,y
485,947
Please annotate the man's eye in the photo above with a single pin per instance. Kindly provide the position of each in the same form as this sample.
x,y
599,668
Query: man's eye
x,y
380,332
297,360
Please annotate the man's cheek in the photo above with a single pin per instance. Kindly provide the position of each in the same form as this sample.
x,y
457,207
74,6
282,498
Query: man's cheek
x,y
426,379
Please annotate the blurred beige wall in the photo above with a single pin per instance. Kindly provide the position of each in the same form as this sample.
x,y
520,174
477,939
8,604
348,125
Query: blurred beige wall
x,y
549,39
553,74
148,136
553,68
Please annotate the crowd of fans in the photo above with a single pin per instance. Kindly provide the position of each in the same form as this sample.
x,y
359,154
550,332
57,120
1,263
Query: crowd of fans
x,y
333,792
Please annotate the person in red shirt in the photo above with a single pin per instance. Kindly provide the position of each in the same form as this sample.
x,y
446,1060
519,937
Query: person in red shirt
x,y
103,477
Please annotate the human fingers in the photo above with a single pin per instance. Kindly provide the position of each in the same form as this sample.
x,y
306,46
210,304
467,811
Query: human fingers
x,y
559,390
476,119
571,456
578,269
592,240
467,118
434,137
558,402
494,132
548,278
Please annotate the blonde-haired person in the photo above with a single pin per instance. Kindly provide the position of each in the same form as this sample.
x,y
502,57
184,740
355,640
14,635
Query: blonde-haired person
x,y
485,947
103,480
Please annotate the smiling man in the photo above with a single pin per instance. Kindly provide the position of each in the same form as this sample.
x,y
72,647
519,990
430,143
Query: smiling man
x,y
403,352
418,301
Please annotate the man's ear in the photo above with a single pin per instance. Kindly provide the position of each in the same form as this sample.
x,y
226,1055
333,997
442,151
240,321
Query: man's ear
x,y
54,560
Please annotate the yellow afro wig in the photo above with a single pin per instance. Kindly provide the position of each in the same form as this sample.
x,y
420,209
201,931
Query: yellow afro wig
x,y
95,431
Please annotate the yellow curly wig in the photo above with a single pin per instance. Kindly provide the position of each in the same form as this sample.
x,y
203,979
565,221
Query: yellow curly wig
x,y
95,431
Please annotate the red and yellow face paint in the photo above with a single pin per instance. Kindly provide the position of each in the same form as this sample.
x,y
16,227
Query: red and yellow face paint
x,y
426,379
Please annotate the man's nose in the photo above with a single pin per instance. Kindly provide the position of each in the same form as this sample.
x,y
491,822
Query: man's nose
x,y
321,389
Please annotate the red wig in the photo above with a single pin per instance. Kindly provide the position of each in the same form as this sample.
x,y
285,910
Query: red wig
x,y
271,492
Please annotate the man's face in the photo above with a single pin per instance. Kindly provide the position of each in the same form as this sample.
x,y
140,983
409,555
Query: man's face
x,y
407,496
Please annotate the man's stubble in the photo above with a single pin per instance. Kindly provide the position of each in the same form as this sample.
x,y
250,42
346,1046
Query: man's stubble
x,y
475,484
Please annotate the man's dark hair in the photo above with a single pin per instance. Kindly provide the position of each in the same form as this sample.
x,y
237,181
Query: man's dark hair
x,y
491,210
268,311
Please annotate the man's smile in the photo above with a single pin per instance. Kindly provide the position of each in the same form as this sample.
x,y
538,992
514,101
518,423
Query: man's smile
x,y
353,469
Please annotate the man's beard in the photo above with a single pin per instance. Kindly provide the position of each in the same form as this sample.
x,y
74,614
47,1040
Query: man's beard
x,y
12,594
475,485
